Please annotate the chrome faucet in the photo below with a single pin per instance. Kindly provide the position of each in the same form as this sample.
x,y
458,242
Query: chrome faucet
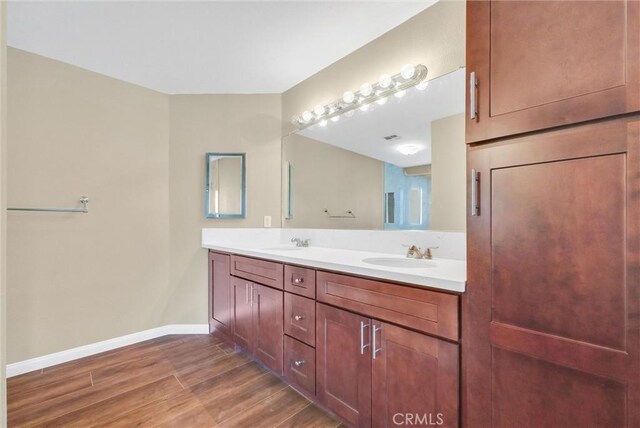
x,y
415,252
300,242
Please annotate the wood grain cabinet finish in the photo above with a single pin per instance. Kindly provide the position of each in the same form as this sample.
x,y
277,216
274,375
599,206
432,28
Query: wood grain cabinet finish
x,y
267,320
551,316
220,298
260,271
428,311
343,364
300,365
258,324
413,374
299,280
542,64
242,313
300,318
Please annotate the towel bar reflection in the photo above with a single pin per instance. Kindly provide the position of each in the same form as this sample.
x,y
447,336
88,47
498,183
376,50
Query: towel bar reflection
x,y
83,200
350,214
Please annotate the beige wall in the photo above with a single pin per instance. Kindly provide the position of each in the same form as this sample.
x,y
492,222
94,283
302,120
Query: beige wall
x,y
3,193
216,123
75,279
325,176
448,174
434,37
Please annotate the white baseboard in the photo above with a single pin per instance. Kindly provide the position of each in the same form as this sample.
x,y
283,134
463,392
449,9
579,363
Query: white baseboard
x,y
49,360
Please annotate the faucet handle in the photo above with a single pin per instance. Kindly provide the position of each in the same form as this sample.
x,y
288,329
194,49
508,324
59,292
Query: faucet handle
x,y
413,251
427,253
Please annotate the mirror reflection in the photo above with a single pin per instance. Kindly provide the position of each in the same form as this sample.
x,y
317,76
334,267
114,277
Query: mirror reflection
x,y
398,165
225,190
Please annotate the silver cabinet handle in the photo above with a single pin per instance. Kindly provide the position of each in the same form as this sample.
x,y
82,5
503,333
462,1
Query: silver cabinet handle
x,y
475,183
375,350
298,280
246,293
473,96
362,345
298,363
298,317
251,296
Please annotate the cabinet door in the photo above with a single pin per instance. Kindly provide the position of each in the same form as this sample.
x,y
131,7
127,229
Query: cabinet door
x,y
268,320
551,315
343,364
242,313
541,64
415,378
220,301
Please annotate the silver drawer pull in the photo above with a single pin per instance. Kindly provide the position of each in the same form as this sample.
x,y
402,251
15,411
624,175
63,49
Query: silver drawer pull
x,y
473,96
299,363
298,280
362,344
298,317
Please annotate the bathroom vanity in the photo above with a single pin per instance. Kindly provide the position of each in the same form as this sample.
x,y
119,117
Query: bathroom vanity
x,y
365,348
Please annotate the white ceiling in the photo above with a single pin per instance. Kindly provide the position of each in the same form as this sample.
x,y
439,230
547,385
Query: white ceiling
x,y
408,117
188,47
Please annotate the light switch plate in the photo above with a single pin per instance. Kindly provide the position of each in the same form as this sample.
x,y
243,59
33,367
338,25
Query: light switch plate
x,y
267,221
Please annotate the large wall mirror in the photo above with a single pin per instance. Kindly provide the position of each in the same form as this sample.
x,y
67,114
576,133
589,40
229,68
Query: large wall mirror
x,y
396,166
225,192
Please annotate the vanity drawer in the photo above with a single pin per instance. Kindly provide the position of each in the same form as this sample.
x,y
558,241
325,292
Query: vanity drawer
x,y
424,310
300,318
260,271
300,281
300,365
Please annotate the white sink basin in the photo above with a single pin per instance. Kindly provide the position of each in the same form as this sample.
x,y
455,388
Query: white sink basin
x,y
400,262
283,248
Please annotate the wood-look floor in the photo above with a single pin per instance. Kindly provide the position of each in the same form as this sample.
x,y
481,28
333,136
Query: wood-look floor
x,y
177,380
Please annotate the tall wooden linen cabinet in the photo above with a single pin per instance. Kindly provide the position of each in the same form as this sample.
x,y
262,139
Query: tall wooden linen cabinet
x,y
551,316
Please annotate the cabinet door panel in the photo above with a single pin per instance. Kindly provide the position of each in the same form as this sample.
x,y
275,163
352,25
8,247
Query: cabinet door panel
x,y
551,63
343,379
414,374
221,302
267,316
242,313
551,315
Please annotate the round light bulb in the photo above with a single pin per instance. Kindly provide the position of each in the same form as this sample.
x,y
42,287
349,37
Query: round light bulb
x,y
385,81
319,110
366,89
408,71
323,122
348,97
335,118
382,101
364,107
307,116
422,85
348,113
400,94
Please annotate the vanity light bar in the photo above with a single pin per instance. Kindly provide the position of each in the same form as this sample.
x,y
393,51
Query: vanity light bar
x,y
386,86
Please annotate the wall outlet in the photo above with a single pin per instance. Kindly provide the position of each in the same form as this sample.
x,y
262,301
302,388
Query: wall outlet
x,y
267,221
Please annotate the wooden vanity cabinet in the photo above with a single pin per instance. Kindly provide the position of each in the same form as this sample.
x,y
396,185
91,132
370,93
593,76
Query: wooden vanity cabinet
x,y
343,364
413,374
372,352
242,313
268,326
220,297
373,373
552,309
543,64
258,321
